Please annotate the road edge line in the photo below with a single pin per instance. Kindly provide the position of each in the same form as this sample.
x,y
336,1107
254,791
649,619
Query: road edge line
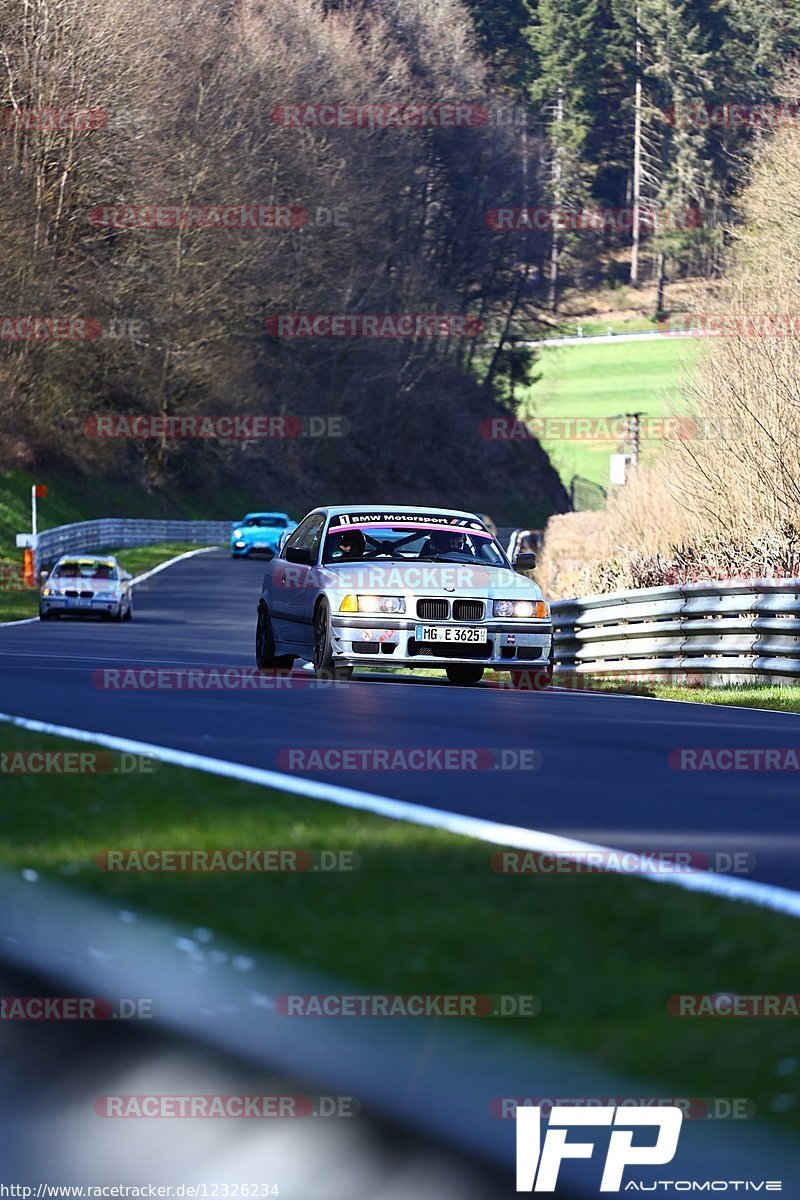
x,y
762,895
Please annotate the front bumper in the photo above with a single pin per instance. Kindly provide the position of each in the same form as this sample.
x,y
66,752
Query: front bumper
x,y
79,606
245,549
385,640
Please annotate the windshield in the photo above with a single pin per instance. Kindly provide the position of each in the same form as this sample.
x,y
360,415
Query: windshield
x,y
85,570
264,522
430,539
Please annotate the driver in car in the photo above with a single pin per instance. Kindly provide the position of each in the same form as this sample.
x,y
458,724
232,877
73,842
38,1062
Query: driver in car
x,y
351,545
441,542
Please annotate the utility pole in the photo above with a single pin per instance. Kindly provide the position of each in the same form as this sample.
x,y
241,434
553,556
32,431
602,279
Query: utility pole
x,y
631,433
558,152
636,220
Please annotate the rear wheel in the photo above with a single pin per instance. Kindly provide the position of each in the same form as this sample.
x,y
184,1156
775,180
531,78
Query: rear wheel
x,y
464,676
324,663
266,658
537,680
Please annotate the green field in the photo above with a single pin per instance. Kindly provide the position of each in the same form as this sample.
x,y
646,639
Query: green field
x,y
600,381
424,913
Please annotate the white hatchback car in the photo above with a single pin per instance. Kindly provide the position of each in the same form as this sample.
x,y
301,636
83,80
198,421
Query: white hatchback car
x,y
359,585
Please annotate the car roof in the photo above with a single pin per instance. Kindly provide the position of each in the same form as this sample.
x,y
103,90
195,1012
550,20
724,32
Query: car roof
x,y
266,514
105,560
334,510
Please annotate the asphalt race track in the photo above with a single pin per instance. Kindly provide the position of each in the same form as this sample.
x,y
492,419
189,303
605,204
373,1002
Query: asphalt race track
x,y
604,775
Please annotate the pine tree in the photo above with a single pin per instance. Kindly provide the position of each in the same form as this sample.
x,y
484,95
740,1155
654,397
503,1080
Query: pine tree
x,y
672,163
566,39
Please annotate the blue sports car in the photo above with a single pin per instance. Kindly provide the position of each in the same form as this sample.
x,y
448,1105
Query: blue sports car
x,y
259,533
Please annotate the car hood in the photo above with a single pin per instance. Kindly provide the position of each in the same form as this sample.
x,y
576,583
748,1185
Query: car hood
x,y
429,579
259,534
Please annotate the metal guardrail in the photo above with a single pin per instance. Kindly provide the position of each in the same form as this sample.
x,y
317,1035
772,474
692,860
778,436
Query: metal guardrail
x,y
112,532
738,631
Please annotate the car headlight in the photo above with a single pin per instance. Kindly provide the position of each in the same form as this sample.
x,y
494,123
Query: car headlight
x,y
520,608
50,591
237,533
373,604
110,595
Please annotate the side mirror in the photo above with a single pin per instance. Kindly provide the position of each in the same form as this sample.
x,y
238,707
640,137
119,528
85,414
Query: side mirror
x,y
43,577
299,554
525,562
126,576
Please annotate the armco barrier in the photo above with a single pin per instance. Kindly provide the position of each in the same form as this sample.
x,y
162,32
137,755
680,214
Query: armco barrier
x,y
731,632
112,532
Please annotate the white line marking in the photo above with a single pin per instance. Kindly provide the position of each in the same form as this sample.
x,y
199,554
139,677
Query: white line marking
x,y
170,562
763,895
23,621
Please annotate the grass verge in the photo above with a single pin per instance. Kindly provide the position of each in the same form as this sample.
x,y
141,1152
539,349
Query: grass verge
x,y
600,381
777,698
426,913
16,603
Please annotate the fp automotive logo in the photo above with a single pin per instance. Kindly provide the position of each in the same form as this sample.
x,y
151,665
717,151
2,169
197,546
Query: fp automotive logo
x,y
538,1164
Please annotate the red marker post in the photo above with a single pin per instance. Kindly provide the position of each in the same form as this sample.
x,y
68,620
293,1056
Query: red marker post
x,y
38,492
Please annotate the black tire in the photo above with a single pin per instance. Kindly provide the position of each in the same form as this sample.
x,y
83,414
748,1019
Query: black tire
x,y
537,680
324,664
266,658
128,613
463,675
45,616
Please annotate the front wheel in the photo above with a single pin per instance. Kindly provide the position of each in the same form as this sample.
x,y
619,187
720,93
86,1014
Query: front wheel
x,y
324,663
266,658
464,676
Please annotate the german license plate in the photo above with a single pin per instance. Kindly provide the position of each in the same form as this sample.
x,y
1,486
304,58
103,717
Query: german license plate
x,y
450,633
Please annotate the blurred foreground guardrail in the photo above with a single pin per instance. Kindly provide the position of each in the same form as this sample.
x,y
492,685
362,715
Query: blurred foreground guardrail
x,y
113,532
742,631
